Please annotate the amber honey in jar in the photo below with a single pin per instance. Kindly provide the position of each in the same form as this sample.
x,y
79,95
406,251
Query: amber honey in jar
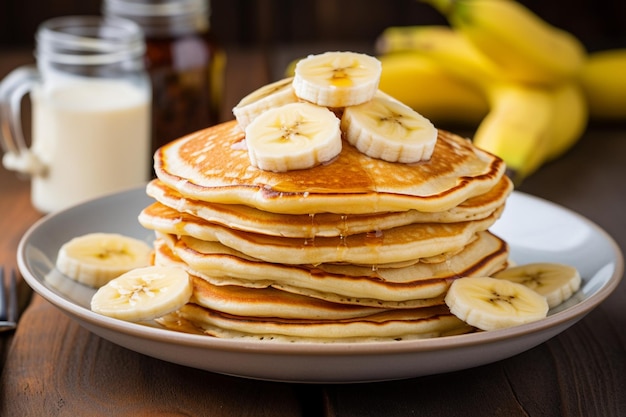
x,y
185,63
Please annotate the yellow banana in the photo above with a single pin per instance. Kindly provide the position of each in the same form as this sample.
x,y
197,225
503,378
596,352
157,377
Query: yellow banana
x,y
517,128
290,69
529,126
449,48
422,84
526,120
603,78
525,47
569,119
399,39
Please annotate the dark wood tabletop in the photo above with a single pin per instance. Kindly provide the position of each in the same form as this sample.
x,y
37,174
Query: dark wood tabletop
x,y
52,366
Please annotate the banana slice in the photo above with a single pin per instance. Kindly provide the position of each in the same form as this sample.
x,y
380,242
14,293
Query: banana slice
x,y
294,136
96,258
143,294
384,128
337,79
491,303
556,282
267,97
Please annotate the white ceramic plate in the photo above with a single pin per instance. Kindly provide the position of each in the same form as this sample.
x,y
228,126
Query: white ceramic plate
x,y
535,229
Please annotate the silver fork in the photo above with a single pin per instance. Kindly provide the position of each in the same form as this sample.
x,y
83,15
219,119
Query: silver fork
x,y
8,302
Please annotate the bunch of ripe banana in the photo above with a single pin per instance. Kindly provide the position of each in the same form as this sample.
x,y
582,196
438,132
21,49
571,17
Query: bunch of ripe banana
x,y
528,87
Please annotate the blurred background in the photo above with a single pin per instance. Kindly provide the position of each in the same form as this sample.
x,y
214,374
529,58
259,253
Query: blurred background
x,y
256,23
271,34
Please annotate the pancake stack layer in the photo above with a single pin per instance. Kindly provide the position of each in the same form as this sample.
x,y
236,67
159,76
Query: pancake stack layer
x,y
357,249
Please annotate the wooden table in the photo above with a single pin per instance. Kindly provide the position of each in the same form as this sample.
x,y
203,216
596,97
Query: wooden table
x,y
52,366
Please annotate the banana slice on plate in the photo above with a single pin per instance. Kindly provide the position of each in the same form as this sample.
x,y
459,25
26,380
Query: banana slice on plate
x,y
490,303
267,97
386,129
293,136
556,282
337,79
143,294
96,258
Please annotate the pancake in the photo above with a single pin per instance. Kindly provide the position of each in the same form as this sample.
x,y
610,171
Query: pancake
x,y
270,302
387,325
418,285
250,219
353,249
264,302
213,165
399,244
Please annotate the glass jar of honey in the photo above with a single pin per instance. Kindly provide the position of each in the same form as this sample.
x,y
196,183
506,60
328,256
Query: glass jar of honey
x,y
185,63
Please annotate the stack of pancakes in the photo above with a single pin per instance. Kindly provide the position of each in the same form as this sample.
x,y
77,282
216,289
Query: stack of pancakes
x,y
355,249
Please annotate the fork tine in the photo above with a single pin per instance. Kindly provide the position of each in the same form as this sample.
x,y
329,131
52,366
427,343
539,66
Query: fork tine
x,y
3,298
13,303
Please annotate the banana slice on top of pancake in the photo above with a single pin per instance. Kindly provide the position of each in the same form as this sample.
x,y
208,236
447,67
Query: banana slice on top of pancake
x,y
265,98
337,79
386,129
293,136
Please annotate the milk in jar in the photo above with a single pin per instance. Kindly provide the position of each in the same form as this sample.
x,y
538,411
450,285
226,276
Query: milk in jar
x,y
95,133
91,98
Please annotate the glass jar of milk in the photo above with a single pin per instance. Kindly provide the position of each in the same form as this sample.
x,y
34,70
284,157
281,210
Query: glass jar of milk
x,y
91,99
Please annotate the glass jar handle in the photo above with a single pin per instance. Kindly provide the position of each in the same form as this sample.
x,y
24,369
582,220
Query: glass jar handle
x,y
17,155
